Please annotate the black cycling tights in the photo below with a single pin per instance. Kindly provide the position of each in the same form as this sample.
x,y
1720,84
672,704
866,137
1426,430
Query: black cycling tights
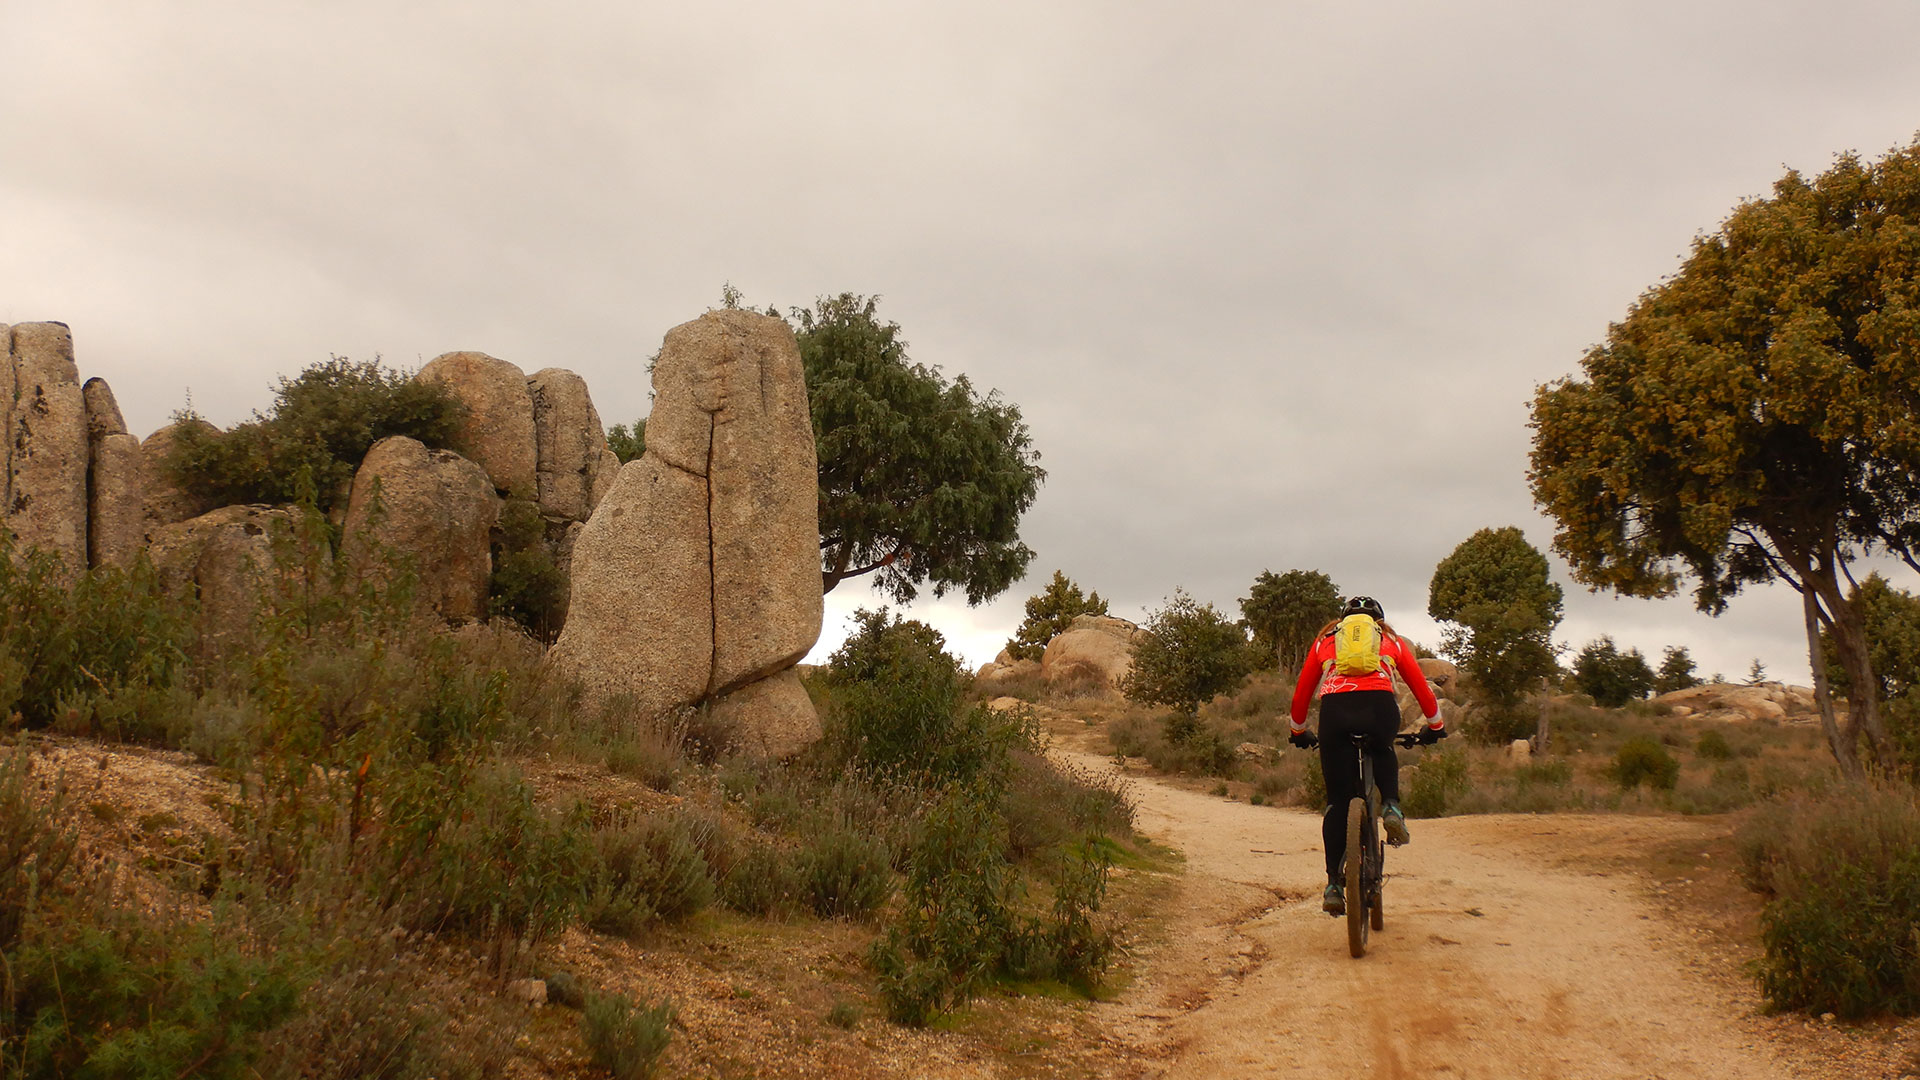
x,y
1375,714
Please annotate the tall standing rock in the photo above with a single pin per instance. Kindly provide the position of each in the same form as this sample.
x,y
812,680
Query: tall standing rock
x,y
569,442
697,578
437,508
47,471
115,514
498,433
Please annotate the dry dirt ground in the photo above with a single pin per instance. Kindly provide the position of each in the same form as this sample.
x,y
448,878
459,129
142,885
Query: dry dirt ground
x,y
1562,946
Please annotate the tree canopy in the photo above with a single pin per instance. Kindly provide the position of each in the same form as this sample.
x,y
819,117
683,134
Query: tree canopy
x,y
1494,588
1676,671
1753,418
1610,676
921,480
1049,614
1284,611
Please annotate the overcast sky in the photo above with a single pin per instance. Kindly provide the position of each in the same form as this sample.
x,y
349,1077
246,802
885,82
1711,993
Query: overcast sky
x,y
1202,246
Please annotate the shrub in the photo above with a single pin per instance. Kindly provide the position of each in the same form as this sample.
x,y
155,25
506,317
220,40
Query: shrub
x,y
1713,746
1842,930
526,585
320,426
897,705
624,1039
844,1015
1441,781
764,882
845,874
1189,655
649,868
1641,760
36,843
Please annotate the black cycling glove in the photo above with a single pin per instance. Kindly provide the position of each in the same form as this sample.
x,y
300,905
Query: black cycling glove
x,y
1305,740
1429,736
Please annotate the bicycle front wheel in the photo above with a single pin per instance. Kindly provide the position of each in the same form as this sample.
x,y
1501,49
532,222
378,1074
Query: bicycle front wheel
x,y
1356,881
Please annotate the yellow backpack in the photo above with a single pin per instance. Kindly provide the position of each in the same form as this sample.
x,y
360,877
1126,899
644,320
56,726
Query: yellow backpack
x,y
1356,646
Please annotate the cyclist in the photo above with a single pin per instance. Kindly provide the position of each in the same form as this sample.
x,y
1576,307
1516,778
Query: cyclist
x,y
1359,703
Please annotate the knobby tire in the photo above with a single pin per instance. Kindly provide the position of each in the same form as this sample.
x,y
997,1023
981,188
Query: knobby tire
x,y
1356,882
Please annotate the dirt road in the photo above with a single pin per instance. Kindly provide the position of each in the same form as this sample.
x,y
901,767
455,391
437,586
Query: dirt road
x,y
1514,947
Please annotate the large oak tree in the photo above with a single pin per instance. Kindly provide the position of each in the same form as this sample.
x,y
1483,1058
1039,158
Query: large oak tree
x,y
1756,417
921,480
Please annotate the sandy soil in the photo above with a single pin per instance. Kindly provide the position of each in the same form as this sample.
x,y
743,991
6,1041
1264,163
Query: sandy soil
x,y
1514,946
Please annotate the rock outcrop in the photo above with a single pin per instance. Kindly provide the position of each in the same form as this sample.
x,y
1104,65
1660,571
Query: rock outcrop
x,y
1728,701
697,578
115,526
1094,650
498,432
47,437
570,445
223,557
438,509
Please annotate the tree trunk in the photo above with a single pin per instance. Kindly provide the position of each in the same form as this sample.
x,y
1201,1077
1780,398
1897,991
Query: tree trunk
x,y
1543,733
1863,703
1843,748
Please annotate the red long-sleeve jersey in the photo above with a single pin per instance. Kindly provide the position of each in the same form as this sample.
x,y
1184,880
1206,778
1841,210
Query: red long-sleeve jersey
x,y
1318,673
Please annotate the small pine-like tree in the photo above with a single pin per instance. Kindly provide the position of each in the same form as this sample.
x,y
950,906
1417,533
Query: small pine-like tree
x,y
1676,671
1049,614
1609,676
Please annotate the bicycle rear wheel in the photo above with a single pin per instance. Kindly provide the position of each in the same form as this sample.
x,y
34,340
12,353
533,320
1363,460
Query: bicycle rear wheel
x,y
1356,881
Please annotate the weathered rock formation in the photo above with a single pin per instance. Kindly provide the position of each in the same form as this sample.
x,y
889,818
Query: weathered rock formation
x,y
222,557
1092,651
1728,701
498,432
570,445
697,579
47,444
115,529
437,509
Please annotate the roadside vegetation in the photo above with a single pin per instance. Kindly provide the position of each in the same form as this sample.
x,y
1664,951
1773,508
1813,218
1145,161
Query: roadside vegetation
x,y
389,822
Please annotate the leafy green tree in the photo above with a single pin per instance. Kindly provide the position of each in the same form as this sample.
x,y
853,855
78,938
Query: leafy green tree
x,y
628,443
1049,614
322,421
1191,653
1609,676
1284,611
1893,640
921,480
1676,671
1495,591
1753,418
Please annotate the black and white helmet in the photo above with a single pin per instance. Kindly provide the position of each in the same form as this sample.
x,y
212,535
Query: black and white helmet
x,y
1364,605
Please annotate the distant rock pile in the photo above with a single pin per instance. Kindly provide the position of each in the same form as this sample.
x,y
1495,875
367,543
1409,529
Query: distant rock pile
x,y
697,580
1729,701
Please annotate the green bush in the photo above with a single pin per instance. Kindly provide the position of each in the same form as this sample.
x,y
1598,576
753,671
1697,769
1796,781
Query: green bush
x,y
1189,654
649,869
765,881
1713,746
320,426
1441,781
1841,930
36,842
898,706
1641,760
95,650
624,1039
845,874
526,585
1049,614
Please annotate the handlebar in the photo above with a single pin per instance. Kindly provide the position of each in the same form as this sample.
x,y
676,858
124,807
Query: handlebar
x,y
1406,740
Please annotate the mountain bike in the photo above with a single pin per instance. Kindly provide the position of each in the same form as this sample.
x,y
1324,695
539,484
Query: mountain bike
x,y
1366,859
